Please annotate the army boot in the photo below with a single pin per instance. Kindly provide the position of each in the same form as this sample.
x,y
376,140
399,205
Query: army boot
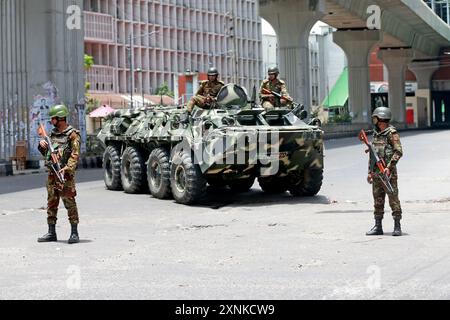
x,y
74,235
50,236
377,230
397,228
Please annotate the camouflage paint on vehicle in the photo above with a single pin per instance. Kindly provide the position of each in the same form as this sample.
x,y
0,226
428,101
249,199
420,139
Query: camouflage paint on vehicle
x,y
234,140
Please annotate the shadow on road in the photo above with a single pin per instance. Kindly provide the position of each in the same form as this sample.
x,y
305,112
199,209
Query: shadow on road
x,y
81,241
343,211
218,198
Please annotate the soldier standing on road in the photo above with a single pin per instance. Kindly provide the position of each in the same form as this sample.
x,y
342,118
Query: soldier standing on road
x,y
386,142
208,91
67,139
272,83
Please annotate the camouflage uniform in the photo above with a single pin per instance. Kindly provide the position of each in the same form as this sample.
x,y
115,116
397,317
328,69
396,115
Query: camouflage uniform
x,y
278,86
387,145
69,148
207,88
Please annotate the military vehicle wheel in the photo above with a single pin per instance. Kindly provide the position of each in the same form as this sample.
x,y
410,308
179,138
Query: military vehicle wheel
x,y
133,173
186,179
158,173
309,184
273,184
111,167
241,185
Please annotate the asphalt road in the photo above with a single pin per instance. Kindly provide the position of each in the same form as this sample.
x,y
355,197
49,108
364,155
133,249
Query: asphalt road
x,y
250,246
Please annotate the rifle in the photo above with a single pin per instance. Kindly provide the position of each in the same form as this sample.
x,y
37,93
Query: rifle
x,y
298,107
210,100
278,95
375,161
54,165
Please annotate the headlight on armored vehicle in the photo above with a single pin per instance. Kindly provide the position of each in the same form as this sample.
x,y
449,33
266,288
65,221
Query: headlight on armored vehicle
x,y
228,121
175,122
207,125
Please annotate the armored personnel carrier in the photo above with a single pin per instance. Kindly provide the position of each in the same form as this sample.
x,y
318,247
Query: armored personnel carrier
x,y
173,154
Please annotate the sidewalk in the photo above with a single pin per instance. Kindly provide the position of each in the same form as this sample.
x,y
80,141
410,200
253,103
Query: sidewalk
x,y
28,171
85,164
346,130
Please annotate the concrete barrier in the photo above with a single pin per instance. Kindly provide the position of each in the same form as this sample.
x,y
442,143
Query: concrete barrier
x,y
91,162
348,130
343,130
6,168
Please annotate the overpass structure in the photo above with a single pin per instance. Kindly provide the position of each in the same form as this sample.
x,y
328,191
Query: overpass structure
x,y
408,33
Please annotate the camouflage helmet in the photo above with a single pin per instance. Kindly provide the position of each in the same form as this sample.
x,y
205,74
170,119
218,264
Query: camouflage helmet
x,y
213,71
273,70
382,113
59,111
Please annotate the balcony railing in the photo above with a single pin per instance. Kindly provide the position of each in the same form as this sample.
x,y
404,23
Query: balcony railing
x,y
98,27
101,78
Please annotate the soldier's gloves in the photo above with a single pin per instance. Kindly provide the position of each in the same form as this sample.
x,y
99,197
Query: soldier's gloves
x,y
369,179
43,144
209,100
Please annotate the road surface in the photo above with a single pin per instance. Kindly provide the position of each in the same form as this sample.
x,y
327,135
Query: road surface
x,y
251,246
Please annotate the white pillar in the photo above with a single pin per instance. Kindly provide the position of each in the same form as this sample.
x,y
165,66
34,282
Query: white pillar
x,y
424,70
358,45
292,21
396,62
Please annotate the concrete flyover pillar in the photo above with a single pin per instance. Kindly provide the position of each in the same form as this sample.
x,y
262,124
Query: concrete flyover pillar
x,y
424,70
396,61
292,21
358,44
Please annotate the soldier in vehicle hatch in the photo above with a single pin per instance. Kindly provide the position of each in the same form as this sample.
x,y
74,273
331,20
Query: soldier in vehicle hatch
x,y
273,83
208,91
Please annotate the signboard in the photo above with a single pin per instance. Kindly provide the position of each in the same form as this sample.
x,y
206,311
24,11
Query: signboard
x,y
81,112
39,114
383,87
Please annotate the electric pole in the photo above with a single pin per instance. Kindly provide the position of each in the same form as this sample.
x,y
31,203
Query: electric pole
x,y
130,59
233,35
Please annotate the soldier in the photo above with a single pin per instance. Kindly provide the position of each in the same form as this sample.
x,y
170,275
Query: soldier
x,y
386,142
68,141
269,101
208,91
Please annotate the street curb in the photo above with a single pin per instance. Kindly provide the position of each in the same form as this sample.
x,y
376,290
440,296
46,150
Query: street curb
x,y
85,163
354,134
29,173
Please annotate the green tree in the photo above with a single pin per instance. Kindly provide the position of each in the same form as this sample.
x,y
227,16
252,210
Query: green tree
x,y
88,63
164,90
